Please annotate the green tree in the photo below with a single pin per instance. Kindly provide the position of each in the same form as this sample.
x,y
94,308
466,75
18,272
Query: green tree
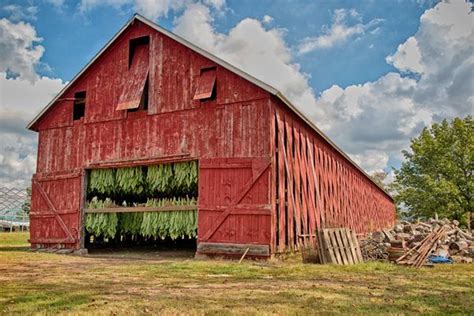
x,y
437,174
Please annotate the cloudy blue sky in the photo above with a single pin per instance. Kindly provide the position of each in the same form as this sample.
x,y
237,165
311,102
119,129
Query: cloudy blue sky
x,y
370,73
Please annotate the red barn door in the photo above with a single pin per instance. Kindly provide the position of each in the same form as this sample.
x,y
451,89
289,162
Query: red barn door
x,y
55,211
234,206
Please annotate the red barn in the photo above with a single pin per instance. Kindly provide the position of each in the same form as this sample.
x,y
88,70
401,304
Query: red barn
x,y
268,177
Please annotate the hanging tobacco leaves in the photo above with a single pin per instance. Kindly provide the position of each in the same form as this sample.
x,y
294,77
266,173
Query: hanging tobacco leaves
x,y
130,223
130,181
102,181
160,178
173,224
185,175
101,224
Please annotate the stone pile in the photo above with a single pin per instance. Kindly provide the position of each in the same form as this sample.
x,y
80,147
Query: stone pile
x,y
455,243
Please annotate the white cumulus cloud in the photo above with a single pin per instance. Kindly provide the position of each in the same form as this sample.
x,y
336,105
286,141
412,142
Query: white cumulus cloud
x,y
19,49
339,31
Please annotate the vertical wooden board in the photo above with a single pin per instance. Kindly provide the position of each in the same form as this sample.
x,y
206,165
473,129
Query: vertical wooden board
x,y
336,246
273,182
356,246
345,246
306,198
311,177
292,226
296,170
329,246
299,192
321,246
352,250
282,204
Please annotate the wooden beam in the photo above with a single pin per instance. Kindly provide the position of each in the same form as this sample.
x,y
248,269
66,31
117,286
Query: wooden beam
x,y
139,209
58,212
117,163
233,249
51,241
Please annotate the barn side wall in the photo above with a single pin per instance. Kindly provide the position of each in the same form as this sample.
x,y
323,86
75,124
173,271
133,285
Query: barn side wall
x,y
316,187
229,136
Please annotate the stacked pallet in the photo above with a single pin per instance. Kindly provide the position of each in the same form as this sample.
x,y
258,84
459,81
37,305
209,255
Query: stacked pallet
x,y
339,246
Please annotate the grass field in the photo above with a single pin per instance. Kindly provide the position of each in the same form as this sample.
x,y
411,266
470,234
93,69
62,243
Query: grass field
x,y
48,283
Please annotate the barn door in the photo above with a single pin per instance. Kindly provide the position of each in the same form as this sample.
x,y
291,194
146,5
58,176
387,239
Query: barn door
x,y
55,210
234,205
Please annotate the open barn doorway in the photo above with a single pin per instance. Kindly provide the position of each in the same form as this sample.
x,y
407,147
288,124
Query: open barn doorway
x,y
145,211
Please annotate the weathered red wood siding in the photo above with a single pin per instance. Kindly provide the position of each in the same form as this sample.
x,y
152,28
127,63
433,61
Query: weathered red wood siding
x,y
234,125
316,187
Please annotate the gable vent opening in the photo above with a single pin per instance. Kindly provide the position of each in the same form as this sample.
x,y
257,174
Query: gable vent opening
x,y
134,96
140,43
79,107
206,85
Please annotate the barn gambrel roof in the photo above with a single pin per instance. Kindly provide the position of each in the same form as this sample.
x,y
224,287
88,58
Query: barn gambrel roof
x,y
217,60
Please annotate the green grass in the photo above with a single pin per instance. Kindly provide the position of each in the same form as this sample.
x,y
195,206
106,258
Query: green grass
x,y
47,283
14,239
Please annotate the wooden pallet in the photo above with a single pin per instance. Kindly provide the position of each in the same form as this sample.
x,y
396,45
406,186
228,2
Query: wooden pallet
x,y
339,246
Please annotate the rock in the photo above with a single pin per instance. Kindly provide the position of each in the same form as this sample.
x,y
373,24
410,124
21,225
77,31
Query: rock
x,y
398,244
403,236
460,259
408,229
460,245
398,228
378,236
471,252
455,222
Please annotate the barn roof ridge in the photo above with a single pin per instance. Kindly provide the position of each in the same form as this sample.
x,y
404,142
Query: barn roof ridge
x,y
217,60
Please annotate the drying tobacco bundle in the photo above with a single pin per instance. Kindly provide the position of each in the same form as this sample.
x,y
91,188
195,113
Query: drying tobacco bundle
x,y
101,224
185,175
130,223
159,178
130,180
171,224
102,181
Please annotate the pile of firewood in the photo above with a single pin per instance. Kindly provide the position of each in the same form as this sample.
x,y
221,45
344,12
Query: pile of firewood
x,y
413,242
